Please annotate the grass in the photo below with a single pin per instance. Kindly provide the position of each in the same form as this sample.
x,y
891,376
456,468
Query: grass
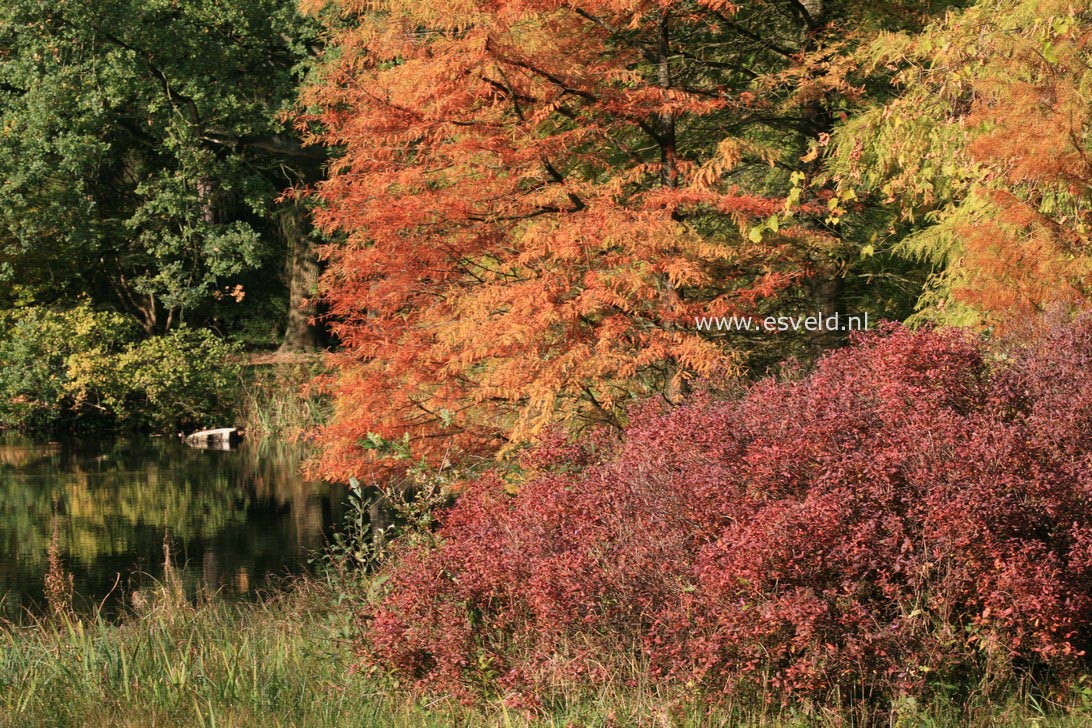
x,y
284,661
274,403
278,662
288,660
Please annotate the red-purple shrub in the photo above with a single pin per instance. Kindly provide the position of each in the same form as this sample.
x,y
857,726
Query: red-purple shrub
x,y
901,516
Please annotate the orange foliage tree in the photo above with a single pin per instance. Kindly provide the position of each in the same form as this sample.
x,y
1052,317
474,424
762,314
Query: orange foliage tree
x,y
535,198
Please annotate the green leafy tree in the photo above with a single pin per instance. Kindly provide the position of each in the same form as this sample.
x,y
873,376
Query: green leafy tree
x,y
143,150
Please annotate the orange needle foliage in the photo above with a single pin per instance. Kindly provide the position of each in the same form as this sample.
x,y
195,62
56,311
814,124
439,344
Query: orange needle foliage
x,y
534,199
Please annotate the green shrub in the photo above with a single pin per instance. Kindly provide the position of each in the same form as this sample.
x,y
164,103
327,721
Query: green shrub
x,y
36,346
184,378
82,367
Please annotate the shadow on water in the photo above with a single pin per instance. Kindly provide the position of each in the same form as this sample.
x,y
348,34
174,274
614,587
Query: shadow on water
x,y
235,519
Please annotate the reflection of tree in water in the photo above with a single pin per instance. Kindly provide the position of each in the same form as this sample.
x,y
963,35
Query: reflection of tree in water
x,y
101,499
266,467
234,518
15,455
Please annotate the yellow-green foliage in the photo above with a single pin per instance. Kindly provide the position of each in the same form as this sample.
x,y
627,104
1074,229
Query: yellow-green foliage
x,y
63,367
41,348
984,152
186,376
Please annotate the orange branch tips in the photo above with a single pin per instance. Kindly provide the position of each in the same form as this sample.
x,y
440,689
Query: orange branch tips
x,y
534,199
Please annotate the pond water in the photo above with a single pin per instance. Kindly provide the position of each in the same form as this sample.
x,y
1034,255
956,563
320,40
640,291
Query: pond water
x,y
234,520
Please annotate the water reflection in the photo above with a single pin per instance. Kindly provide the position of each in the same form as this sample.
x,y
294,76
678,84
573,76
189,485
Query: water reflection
x,y
234,518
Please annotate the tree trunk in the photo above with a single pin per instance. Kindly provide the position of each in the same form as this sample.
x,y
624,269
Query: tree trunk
x,y
303,274
207,194
674,387
825,291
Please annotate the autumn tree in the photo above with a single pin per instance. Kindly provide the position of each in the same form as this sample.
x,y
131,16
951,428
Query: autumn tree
x,y
986,154
535,199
